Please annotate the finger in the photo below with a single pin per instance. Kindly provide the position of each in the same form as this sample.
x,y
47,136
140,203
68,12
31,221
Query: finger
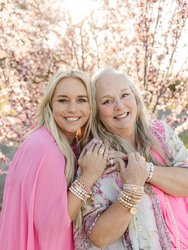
x,y
94,147
117,154
106,152
143,160
137,156
97,146
122,165
110,170
92,142
131,157
101,150
140,158
124,157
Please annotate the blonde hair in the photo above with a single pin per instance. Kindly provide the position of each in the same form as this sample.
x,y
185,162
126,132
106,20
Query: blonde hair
x,y
144,139
44,116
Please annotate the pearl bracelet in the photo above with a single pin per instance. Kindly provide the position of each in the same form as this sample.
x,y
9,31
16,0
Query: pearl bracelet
x,y
150,170
81,190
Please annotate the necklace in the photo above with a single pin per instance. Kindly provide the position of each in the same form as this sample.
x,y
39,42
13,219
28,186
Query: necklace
x,y
173,222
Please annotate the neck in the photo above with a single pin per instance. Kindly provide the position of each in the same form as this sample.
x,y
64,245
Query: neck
x,y
131,139
70,138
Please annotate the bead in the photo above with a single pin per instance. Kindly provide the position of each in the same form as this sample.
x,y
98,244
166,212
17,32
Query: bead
x,y
174,223
81,190
150,170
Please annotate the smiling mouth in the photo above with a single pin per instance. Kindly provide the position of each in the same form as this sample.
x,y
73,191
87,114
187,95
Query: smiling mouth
x,y
121,116
72,119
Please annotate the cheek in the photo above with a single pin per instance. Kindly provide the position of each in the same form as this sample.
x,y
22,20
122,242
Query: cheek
x,y
104,115
56,110
104,112
136,108
131,103
87,111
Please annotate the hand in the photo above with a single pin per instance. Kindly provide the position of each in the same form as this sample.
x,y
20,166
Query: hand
x,y
92,162
112,154
135,172
118,163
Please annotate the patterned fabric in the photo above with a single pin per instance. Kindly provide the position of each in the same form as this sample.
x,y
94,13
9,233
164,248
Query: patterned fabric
x,y
172,145
141,233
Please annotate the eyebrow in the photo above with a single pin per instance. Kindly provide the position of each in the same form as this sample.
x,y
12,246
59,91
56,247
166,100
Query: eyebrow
x,y
108,95
77,96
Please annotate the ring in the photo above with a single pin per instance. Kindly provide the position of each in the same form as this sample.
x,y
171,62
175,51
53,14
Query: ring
x,y
101,152
106,157
144,159
111,162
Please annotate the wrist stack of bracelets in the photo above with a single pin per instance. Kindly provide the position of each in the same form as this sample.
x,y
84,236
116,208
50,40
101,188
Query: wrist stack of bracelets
x,y
130,197
81,190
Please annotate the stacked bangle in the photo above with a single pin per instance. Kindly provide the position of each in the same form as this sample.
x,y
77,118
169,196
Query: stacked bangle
x,y
130,197
150,170
81,190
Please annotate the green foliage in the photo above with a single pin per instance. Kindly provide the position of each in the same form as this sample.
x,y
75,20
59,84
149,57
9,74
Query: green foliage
x,y
2,183
174,85
184,137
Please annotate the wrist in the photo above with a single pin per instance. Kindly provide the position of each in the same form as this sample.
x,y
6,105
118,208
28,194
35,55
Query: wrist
x,y
81,190
88,180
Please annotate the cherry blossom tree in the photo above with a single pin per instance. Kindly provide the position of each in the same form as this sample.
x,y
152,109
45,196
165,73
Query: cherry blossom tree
x,y
142,38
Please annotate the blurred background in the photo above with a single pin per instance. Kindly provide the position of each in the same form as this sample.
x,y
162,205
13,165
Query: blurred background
x,y
147,39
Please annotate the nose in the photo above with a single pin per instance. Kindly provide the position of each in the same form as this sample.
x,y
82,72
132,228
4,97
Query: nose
x,y
72,107
118,104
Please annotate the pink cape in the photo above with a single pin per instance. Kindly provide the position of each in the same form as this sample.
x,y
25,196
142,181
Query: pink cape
x,y
34,214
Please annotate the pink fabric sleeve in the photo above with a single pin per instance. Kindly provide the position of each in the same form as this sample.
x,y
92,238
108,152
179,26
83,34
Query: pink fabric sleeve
x,y
51,219
34,214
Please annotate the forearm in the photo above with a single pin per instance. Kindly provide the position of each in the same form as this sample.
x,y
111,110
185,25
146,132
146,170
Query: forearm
x,y
171,180
116,217
74,205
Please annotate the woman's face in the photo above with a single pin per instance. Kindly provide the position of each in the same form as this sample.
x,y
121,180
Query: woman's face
x,y
70,106
116,104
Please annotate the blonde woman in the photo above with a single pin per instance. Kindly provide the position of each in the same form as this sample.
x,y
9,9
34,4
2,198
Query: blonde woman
x,y
143,203
41,197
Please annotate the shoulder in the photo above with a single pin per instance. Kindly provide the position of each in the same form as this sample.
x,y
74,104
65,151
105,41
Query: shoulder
x,y
162,127
158,129
157,125
40,143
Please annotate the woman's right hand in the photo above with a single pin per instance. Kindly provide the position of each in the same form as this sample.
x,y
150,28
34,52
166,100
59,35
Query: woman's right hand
x,y
92,162
135,171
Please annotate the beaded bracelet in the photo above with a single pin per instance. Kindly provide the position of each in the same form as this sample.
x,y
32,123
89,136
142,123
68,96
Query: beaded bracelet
x,y
150,170
81,190
130,197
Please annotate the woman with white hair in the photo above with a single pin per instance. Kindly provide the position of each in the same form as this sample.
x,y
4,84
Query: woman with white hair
x,y
41,197
142,201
